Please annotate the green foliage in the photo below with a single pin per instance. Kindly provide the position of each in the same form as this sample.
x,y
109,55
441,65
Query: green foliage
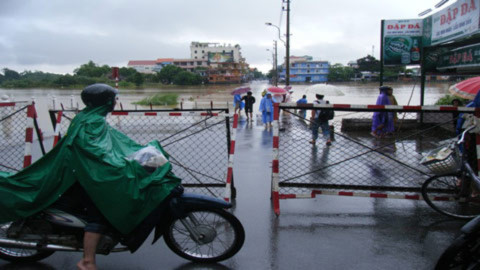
x,y
447,100
138,79
168,73
368,63
257,74
159,99
10,74
187,78
91,69
340,73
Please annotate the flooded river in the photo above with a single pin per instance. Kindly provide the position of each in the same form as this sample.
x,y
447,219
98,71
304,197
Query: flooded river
x,y
219,95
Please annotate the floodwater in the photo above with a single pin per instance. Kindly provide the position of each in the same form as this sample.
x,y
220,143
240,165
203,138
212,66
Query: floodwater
x,y
219,95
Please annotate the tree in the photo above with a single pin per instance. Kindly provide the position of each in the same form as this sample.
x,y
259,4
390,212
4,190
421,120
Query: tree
x,y
138,79
368,63
168,73
91,69
257,74
187,78
340,73
10,74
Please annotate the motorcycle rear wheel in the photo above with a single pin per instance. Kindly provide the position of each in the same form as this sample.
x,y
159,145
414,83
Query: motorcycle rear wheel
x,y
222,236
20,254
463,253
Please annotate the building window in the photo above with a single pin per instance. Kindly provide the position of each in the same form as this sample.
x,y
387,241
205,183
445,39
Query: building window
x,y
195,57
195,51
203,57
203,51
199,63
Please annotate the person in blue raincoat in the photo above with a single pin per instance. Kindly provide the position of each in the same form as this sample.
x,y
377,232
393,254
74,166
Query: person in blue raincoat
x,y
266,107
237,101
382,122
303,100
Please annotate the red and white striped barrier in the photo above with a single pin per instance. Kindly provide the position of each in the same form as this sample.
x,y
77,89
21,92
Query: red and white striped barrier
x,y
203,113
316,192
58,128
275,167
31,113
380,107
228,188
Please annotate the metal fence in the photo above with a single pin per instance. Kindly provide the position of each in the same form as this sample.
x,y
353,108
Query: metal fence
x,y
16,134
357,163
197,140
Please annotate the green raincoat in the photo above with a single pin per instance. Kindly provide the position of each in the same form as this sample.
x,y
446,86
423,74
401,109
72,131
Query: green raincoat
x,y
92,153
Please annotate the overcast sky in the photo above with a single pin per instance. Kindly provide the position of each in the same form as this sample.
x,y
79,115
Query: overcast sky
x,y
58,36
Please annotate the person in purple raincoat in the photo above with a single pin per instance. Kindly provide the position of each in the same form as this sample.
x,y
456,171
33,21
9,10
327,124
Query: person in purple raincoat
x,y
382,122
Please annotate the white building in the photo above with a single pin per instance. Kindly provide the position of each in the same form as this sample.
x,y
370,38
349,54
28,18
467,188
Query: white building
x,y
201,50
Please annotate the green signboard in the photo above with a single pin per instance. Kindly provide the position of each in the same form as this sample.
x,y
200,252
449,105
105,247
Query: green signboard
x,y
465,57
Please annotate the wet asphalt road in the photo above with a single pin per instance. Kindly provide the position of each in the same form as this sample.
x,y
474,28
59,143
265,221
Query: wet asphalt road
x,y
328,232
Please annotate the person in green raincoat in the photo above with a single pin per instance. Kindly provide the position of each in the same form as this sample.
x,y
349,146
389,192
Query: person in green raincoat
x,y
93,155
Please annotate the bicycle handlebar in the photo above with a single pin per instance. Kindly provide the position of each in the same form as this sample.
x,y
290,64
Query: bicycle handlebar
x,y
462,137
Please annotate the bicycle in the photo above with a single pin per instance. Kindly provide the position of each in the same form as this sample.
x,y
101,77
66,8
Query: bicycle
x,y
455,189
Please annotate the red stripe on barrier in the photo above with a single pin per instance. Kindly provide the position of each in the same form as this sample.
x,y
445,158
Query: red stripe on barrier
x,y
27,160
229,175
287,196
378,195
235,121
276,203
276,111
29,135
376,106
316,192
412,197
444,108
344,193
119,113
441,198
55,140
275,142
150,114
342,106
59,117
175,114
209,114
7,104
31,111
232,147
412,107
275,166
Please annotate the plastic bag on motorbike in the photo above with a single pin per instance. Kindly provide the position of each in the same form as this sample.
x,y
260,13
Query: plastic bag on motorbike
x,y
149,157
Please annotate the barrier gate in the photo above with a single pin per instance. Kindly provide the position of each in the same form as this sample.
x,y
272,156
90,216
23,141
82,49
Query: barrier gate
x,y
197,140
18,126
356,164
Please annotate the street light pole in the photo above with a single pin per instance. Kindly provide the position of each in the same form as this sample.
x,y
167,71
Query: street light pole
x,y
287,54
276,64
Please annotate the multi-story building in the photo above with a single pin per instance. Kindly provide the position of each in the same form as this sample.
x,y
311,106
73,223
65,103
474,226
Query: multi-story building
x,y
304,69
218,63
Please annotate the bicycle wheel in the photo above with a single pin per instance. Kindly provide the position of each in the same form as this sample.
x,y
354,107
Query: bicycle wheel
x,y
222,236
450,196
463,253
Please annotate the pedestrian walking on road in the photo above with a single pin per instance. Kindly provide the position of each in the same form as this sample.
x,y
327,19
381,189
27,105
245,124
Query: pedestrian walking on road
x,y
303,100
249,101
266,107
382,122
238,103
319,119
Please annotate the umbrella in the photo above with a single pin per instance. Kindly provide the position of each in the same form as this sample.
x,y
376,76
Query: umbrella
x,y
240,90
466,89
276,90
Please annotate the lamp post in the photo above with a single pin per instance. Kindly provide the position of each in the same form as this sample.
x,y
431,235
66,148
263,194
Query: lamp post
x,y
287,79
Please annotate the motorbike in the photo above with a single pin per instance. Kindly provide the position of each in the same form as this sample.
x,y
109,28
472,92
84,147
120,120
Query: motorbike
x,y
195,227
464,251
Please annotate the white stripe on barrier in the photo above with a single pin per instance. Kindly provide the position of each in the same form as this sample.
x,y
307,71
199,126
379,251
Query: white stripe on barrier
x,y
28,149
170,113
377,195
392,107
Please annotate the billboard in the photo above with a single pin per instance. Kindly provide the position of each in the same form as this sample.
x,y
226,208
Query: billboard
x,y
461,19
402,40
220,57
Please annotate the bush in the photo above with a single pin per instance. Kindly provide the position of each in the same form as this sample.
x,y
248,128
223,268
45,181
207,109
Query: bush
x,y
447,100
159,99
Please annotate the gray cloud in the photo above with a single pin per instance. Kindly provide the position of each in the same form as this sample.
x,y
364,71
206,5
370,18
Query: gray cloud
x,y
62,34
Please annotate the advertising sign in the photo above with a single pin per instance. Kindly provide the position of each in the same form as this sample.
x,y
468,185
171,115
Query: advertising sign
x,y
456,21
402,40
217,57
465,57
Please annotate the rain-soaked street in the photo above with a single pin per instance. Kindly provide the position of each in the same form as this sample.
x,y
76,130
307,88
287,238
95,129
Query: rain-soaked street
x,y
328,232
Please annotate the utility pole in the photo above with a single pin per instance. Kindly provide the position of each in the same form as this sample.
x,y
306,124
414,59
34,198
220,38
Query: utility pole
x,y
275,62
287,54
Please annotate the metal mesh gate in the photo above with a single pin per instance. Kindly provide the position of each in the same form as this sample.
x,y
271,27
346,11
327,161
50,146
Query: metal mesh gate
x,y
197,141
15,126
357,163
